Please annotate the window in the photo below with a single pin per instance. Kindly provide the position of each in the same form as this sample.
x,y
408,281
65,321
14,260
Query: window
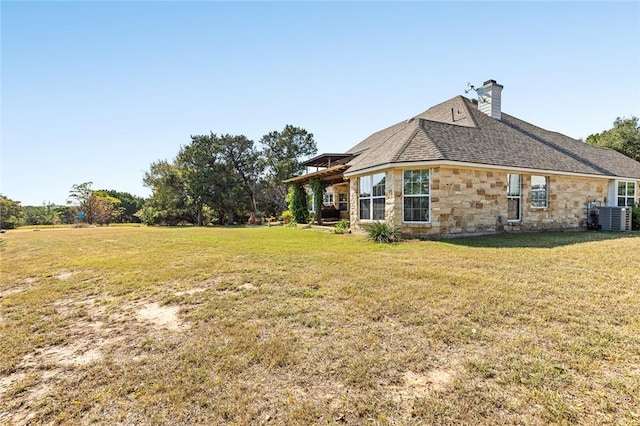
x,y
513,198
539,192
343,204
371,197
328,199
416,196
626,194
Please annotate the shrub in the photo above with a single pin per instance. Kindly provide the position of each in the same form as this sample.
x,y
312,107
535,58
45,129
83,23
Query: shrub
x,y
297,201
382,232
635,218
341,227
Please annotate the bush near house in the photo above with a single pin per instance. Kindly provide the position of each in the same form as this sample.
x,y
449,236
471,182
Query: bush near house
x,y
341,227
635,218
383,232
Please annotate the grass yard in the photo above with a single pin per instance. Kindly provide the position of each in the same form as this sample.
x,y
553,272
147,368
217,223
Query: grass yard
x,y
136,325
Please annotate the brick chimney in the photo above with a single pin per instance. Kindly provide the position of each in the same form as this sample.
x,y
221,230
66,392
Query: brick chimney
x,y
490,99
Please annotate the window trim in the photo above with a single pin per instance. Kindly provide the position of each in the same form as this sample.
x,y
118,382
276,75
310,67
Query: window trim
x,y
427,195
327,195
514,197
546,193
372,197
626,195
342,203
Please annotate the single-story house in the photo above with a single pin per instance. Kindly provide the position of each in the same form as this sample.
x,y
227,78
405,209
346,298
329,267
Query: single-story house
x,y
465,167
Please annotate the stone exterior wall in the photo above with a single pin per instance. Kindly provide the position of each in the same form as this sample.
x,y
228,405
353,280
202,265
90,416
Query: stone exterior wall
x,y
473,201
353,204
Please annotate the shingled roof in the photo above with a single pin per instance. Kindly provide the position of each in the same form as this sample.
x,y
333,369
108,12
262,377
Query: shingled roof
x,y
456,130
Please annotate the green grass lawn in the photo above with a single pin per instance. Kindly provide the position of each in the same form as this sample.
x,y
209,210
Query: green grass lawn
x,y
137,325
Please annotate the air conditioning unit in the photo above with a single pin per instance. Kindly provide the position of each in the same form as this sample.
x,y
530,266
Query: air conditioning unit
x,y
614,218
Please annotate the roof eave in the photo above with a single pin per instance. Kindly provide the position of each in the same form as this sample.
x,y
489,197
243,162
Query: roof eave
x,y
431,163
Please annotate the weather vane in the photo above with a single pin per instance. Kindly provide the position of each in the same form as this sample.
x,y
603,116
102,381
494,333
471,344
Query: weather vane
x,y
480,92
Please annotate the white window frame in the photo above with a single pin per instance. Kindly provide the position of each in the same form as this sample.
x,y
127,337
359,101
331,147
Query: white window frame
x,y
327,198
511,196
545,191
426,195
344,202
633,194
371,197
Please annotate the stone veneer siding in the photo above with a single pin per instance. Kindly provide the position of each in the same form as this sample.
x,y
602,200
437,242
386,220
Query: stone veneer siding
x,y
471,201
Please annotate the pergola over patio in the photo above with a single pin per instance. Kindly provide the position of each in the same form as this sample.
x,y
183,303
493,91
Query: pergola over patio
x,y
333,168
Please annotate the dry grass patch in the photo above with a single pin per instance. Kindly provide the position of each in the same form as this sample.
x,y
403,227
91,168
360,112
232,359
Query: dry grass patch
x,y
291,326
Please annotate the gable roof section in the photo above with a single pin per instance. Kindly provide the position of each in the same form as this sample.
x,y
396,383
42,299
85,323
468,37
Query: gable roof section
x,y
456,131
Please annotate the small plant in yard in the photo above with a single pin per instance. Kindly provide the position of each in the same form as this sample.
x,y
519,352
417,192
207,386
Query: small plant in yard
x,y
341,227
292,223
383,232
286,217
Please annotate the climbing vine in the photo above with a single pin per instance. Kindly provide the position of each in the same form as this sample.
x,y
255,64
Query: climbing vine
x,y
318,186
297,202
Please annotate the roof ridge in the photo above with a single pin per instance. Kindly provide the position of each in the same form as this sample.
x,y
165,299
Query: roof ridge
x,y
431,142
406,143
466,101
400,128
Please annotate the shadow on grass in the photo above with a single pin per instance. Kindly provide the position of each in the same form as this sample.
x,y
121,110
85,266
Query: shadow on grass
x,y
539,239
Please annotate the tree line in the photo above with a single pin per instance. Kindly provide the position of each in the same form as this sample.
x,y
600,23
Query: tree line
x,y
100,207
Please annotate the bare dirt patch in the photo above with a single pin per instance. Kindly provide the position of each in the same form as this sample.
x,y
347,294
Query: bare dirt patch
x,y
161,316
7,382
42,370
10,291
190,292
93,331
80,352
64,275
418,385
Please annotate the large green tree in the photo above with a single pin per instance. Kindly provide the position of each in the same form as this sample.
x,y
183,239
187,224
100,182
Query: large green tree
x,y
169,203
246,162
11,213
199,165
220,171
624,137
283,154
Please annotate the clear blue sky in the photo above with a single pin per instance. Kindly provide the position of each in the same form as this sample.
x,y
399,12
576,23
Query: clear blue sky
x,y
96,91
